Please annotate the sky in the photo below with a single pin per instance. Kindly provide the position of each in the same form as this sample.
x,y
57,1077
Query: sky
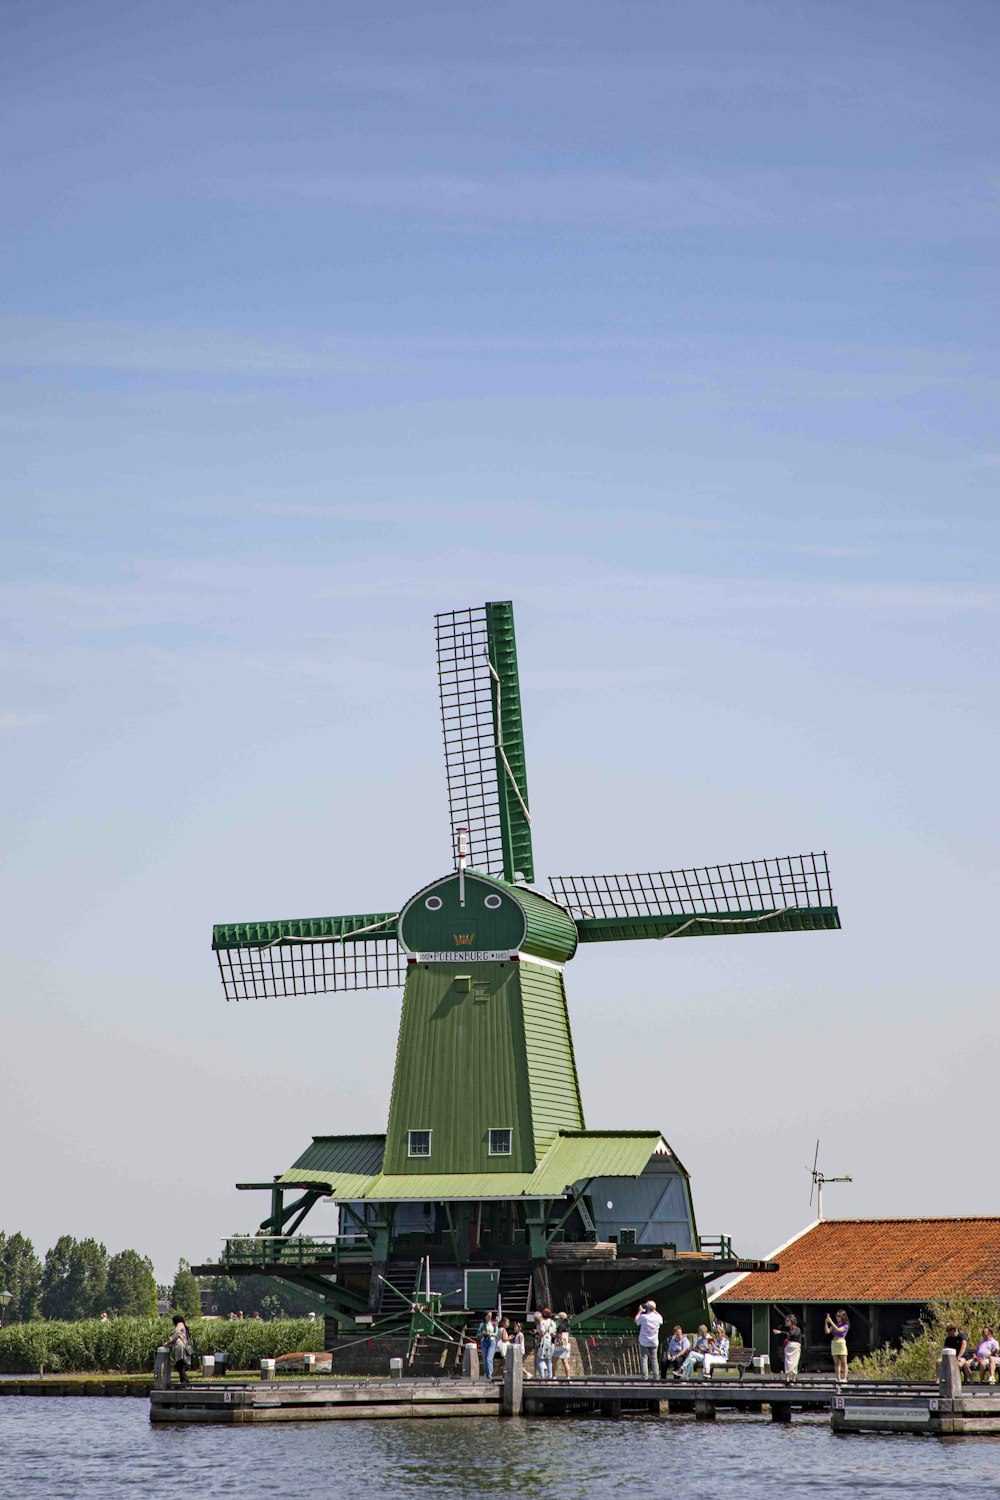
x,y
673,323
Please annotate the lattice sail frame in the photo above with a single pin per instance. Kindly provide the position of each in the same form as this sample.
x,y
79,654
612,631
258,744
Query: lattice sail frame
x,y
316,968
770,887
313,956
484,738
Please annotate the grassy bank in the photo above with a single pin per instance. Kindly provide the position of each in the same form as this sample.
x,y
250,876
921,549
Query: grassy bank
x,y
918,1357
128,1345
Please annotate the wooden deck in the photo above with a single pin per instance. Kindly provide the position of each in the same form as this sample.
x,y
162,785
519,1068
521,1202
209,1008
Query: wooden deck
x,y
231,1402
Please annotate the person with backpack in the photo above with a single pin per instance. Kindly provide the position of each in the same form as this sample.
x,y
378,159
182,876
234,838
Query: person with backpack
x,y
181,1346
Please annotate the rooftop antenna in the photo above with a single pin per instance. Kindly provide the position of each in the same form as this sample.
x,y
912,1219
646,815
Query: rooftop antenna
x,y
818,1179
463,856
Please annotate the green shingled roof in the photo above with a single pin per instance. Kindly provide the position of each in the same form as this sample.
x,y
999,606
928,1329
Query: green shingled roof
x,y
574,1156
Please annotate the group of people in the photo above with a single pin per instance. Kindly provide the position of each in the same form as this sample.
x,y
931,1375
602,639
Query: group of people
x,y
683,1355
550,1341
984,1358
686,1354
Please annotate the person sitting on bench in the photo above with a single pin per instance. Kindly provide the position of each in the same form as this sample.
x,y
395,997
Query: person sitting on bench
x,y
696,1356
718,1350
678,1348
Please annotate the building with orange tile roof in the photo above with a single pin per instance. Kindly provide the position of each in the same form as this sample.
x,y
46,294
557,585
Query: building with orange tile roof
x,y
883,1272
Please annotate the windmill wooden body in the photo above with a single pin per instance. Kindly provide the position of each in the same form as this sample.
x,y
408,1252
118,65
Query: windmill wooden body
x,y
486,1184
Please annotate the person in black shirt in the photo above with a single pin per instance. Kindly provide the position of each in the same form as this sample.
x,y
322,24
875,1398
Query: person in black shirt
x,y
792,1334
954,1338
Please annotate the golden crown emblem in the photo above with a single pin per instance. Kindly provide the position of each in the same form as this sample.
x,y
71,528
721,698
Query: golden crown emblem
x,y
464,939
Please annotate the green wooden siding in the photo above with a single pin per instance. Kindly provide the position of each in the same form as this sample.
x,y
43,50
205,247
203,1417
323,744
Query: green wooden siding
x,y
460,1071
523,920
551,931
454,928
551,1065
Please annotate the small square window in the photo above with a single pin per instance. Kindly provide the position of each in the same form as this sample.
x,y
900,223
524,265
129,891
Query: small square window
x,y
500,1142
420,1142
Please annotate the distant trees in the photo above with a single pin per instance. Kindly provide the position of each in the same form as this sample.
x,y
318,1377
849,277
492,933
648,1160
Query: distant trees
x,y
75,1279
21,1275
186,1293
131,1289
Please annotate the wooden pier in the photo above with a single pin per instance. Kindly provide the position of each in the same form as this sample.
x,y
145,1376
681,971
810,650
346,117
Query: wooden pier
x,y
936,1407
320,1400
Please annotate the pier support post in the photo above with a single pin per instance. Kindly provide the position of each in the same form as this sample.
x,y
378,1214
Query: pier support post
x,y
949,1376
781,1411
161,1368
512,1396
704,1411
470,1362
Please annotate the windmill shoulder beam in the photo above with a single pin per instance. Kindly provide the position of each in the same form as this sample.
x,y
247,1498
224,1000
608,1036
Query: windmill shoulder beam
x,y
369,925
715,924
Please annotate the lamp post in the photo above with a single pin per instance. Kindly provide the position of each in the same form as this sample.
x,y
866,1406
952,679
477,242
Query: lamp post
x,y
6,1298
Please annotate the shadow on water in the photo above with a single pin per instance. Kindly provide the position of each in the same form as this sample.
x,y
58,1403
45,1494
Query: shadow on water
x,y
88,1449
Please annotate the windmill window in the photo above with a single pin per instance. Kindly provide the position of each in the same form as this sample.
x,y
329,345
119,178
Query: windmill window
x,y
493,902
433,903
419,1142
500,1142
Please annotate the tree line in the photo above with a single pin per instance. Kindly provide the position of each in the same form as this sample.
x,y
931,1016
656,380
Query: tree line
x,y
79,1279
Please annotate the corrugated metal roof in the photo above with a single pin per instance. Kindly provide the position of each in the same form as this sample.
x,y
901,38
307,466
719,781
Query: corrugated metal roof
x,y
573,1157
343,1165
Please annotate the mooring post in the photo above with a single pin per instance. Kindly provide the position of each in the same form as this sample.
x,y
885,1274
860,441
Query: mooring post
x,y
161,1368
208,1366
396,1368
470,1362
267,1369
309,1364
949,1375
512,1395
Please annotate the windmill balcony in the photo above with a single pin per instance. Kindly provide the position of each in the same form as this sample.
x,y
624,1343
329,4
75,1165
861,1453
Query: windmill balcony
x,y
314,1251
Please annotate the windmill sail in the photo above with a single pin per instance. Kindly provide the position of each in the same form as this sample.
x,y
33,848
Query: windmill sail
x,y
484,738
788,894
262,960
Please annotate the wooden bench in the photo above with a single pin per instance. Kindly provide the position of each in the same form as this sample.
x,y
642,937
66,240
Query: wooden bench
x,y
740,1359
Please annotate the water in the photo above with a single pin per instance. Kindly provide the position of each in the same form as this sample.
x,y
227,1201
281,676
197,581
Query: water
x,y
80,1448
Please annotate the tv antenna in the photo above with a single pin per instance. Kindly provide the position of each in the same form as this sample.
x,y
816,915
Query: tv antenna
x,y
818,1179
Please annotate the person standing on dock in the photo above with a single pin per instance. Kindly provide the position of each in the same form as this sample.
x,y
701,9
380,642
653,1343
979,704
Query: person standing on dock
x,y
544,1333
561,1347
839,1327
792,1347
488,1342
649,1323
181,1348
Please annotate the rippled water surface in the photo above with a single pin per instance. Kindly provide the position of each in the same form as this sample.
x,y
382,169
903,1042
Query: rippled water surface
x,y
103,1448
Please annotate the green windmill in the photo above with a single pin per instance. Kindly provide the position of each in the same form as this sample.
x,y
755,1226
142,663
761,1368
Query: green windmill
x,y
486,1183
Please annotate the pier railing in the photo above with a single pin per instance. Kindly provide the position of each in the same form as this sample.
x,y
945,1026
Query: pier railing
x,y
719,1245
293,1250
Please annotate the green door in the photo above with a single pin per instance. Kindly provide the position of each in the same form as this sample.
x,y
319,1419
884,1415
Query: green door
x,y
481,1288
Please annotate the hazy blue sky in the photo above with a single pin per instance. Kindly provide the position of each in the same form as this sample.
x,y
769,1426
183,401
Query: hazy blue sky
x,y
673,323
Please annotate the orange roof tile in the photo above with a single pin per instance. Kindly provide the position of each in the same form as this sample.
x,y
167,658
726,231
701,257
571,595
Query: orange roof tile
x,y
879,1260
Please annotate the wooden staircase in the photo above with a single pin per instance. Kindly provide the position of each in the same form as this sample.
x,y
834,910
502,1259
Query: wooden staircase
x,y
515,1288
397,1297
